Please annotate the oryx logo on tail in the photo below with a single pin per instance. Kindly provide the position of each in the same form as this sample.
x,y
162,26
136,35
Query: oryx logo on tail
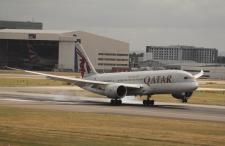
x,y
85,65
83,62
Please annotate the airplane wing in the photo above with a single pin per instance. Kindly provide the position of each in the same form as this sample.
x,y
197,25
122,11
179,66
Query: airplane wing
x,y
78,81
199,74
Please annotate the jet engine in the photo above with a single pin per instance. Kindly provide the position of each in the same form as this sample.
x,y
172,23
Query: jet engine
x,y
184,96
115,91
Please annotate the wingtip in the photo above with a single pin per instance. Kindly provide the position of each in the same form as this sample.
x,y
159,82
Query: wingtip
x,y
11,68
202,72
7,67
199,74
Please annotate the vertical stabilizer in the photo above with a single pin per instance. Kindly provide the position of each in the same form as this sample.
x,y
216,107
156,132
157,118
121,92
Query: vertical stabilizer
x,y
86,67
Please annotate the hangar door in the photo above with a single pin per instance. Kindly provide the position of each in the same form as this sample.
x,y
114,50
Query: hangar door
x,y
29,54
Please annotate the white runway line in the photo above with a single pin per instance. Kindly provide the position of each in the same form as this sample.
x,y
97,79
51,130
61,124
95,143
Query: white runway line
x,y
13,99
211,89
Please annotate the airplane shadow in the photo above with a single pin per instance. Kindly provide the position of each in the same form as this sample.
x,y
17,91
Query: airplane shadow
x,y
107,104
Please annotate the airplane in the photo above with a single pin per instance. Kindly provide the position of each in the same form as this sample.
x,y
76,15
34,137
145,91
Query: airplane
x,y
180,84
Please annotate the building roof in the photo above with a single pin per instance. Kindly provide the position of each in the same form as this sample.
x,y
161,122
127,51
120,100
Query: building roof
x,y
24,34
88,33
35,31
48,34
178,47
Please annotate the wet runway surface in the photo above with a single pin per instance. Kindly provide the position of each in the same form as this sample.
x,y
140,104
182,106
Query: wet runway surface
x,y
131,106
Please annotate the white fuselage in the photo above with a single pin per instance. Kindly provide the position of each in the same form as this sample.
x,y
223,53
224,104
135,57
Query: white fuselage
x,y
152,82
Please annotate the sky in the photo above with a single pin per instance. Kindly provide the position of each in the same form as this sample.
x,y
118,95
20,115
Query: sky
x,y
141,23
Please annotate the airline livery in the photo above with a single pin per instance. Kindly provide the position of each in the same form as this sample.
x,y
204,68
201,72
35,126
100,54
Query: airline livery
x,y
180,84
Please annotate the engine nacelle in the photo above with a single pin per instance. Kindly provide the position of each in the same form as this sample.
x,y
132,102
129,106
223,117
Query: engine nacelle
x,y
183,95
115,91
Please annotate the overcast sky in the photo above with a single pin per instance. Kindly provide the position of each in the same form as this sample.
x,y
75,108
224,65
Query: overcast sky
x,y
199,23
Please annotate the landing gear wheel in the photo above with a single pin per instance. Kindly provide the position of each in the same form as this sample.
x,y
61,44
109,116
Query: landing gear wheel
x,y
152,102
148,102
116,102
145,102
184,100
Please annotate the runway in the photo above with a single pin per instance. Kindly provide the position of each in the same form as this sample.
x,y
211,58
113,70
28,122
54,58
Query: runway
x,y
131,106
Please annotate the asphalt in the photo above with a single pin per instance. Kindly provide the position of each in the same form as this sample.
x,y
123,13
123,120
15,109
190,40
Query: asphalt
x,y
131,106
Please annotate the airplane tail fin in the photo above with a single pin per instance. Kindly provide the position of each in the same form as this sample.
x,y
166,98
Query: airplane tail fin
x,y
86,67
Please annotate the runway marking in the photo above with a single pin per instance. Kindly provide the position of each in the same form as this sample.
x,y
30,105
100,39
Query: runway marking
x,y
211,89
12,99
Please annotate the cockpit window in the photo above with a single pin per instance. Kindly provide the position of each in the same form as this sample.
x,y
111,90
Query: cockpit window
x,y
186,78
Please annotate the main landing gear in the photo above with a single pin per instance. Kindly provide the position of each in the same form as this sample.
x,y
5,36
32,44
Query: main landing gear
x,y
148,102
116,102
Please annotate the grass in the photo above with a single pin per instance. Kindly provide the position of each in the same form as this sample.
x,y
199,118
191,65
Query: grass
x,y
24,82
203,97
76,74
10,78
34,127
213,85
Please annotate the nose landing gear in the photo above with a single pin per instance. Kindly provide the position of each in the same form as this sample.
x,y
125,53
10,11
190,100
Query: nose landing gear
x,y
184,100
185,97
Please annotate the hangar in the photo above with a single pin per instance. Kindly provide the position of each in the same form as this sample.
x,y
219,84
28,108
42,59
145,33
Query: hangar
x,y
54,49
